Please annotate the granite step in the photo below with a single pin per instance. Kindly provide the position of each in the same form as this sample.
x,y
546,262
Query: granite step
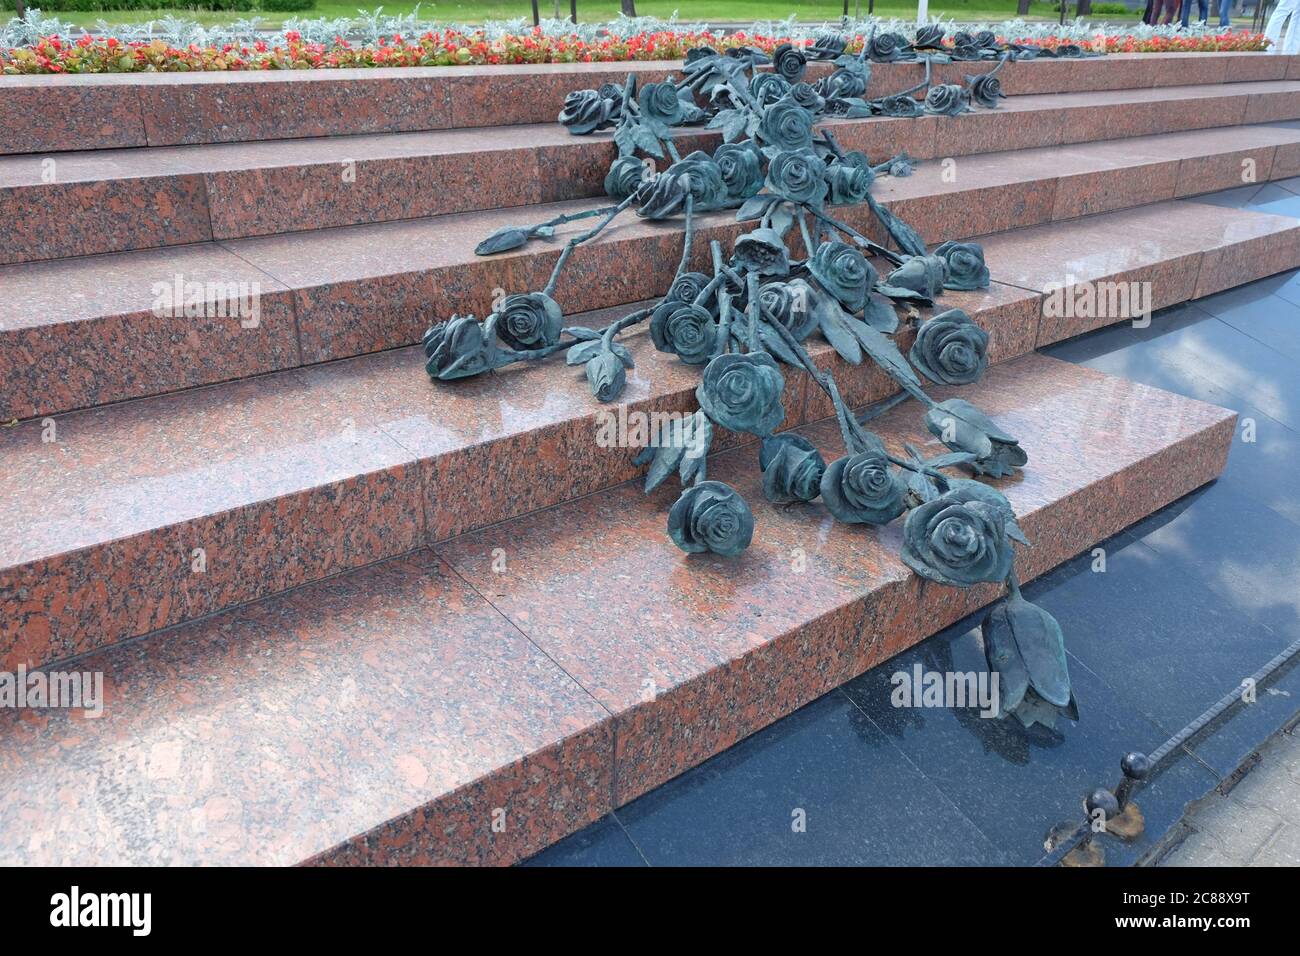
x,y
165,196
132,517
44,114
89,331
474,703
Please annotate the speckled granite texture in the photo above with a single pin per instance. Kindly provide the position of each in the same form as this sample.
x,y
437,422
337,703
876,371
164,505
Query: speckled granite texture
x,y
708,649
382,717
391,715
317,470
332,293
165,196
178,108
386,621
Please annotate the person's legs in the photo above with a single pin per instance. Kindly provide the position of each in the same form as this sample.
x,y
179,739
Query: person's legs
x,y
1285,10
1225,7
1292,43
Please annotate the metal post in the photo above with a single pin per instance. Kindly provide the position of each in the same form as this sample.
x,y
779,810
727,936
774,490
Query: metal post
x,y
573,10
537,15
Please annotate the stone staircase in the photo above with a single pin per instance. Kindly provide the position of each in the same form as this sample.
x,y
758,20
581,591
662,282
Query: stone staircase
x,y
345,615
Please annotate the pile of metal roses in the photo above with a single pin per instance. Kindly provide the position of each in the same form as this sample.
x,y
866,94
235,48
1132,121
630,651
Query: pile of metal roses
x,y
799,270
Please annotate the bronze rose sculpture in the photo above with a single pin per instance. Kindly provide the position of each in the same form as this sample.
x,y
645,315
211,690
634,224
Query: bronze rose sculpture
x,y
797,271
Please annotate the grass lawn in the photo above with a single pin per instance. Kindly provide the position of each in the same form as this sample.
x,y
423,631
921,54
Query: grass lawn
x,y
715,11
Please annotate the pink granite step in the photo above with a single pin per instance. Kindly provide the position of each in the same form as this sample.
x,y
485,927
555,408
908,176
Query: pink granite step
x,y
49,113
92,330
162,196
703,652
377,718
431,710
132,517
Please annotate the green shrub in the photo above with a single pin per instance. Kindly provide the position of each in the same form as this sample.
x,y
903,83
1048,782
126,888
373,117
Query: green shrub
x,y
287,6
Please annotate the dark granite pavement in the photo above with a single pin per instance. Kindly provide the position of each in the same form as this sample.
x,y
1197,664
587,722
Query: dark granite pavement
x,y
1165,618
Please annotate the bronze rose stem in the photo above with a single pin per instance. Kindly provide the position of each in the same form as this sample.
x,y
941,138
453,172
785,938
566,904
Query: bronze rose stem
x,y
872,247
578,240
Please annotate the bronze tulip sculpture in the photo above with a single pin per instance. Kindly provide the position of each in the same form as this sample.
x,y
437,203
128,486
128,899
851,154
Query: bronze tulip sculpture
x,y
750,316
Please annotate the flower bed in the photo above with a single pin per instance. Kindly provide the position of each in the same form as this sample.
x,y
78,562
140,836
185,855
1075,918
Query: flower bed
x,y
451,47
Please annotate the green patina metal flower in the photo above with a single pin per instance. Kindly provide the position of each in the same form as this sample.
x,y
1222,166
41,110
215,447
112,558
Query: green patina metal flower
x,y
786,125
685,330
763,251
711,516
985,90
964,428
660,104
626,175
780,173
587,110
798,177
947,99
688,286
900,105
863,488
849,183
928,37
885,47
792,468
767,88
696,176
966,268
1024,646
958,538
530,320
844,83
742,391
807,96
950,349
921,276
789,62
843,271
457,348
607,375
790,303
741,166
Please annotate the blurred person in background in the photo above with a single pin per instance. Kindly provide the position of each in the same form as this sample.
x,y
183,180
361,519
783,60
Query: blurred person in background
x,y
1187,11
1170,8
1284,11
